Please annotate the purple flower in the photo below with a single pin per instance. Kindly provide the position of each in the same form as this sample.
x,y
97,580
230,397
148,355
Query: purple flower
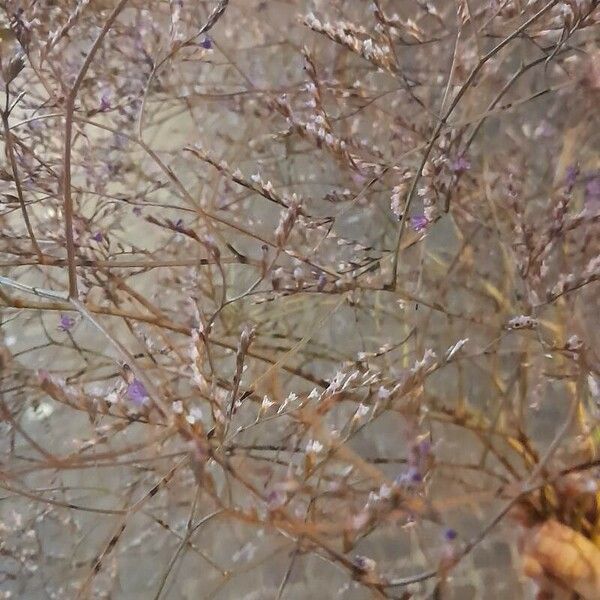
x,y
359,179
461,164
424,448
137,211
98,237
592,188
275,500
136,392
571,177
450,534
544,130
206,43
321,282
419,222
364,563
414,475
409,478
66,323
104,101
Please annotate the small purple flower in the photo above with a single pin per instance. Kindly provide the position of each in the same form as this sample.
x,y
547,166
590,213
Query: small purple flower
x,y
424,448
450,534
136,392
419,222
359,179
364,563
461,164
544,130
321,282
137,211
414,475
206,43
410,477
104,101
571,177
43,376
592,188
98,237
275,500
66,323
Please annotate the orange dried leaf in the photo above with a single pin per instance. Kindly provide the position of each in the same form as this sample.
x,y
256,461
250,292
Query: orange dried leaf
x,y
557,552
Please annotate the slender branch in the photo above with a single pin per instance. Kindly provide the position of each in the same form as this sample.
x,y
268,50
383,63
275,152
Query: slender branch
x,y
461,92
36,291
212,20
69,110
15,172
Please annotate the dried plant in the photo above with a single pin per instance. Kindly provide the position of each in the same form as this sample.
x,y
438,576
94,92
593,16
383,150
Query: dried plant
x,y
300,299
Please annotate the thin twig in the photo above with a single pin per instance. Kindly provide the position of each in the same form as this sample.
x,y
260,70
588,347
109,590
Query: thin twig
x,y
461,92
69,110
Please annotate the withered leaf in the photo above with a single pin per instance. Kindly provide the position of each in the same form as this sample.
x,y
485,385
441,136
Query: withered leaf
x,y
556,552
